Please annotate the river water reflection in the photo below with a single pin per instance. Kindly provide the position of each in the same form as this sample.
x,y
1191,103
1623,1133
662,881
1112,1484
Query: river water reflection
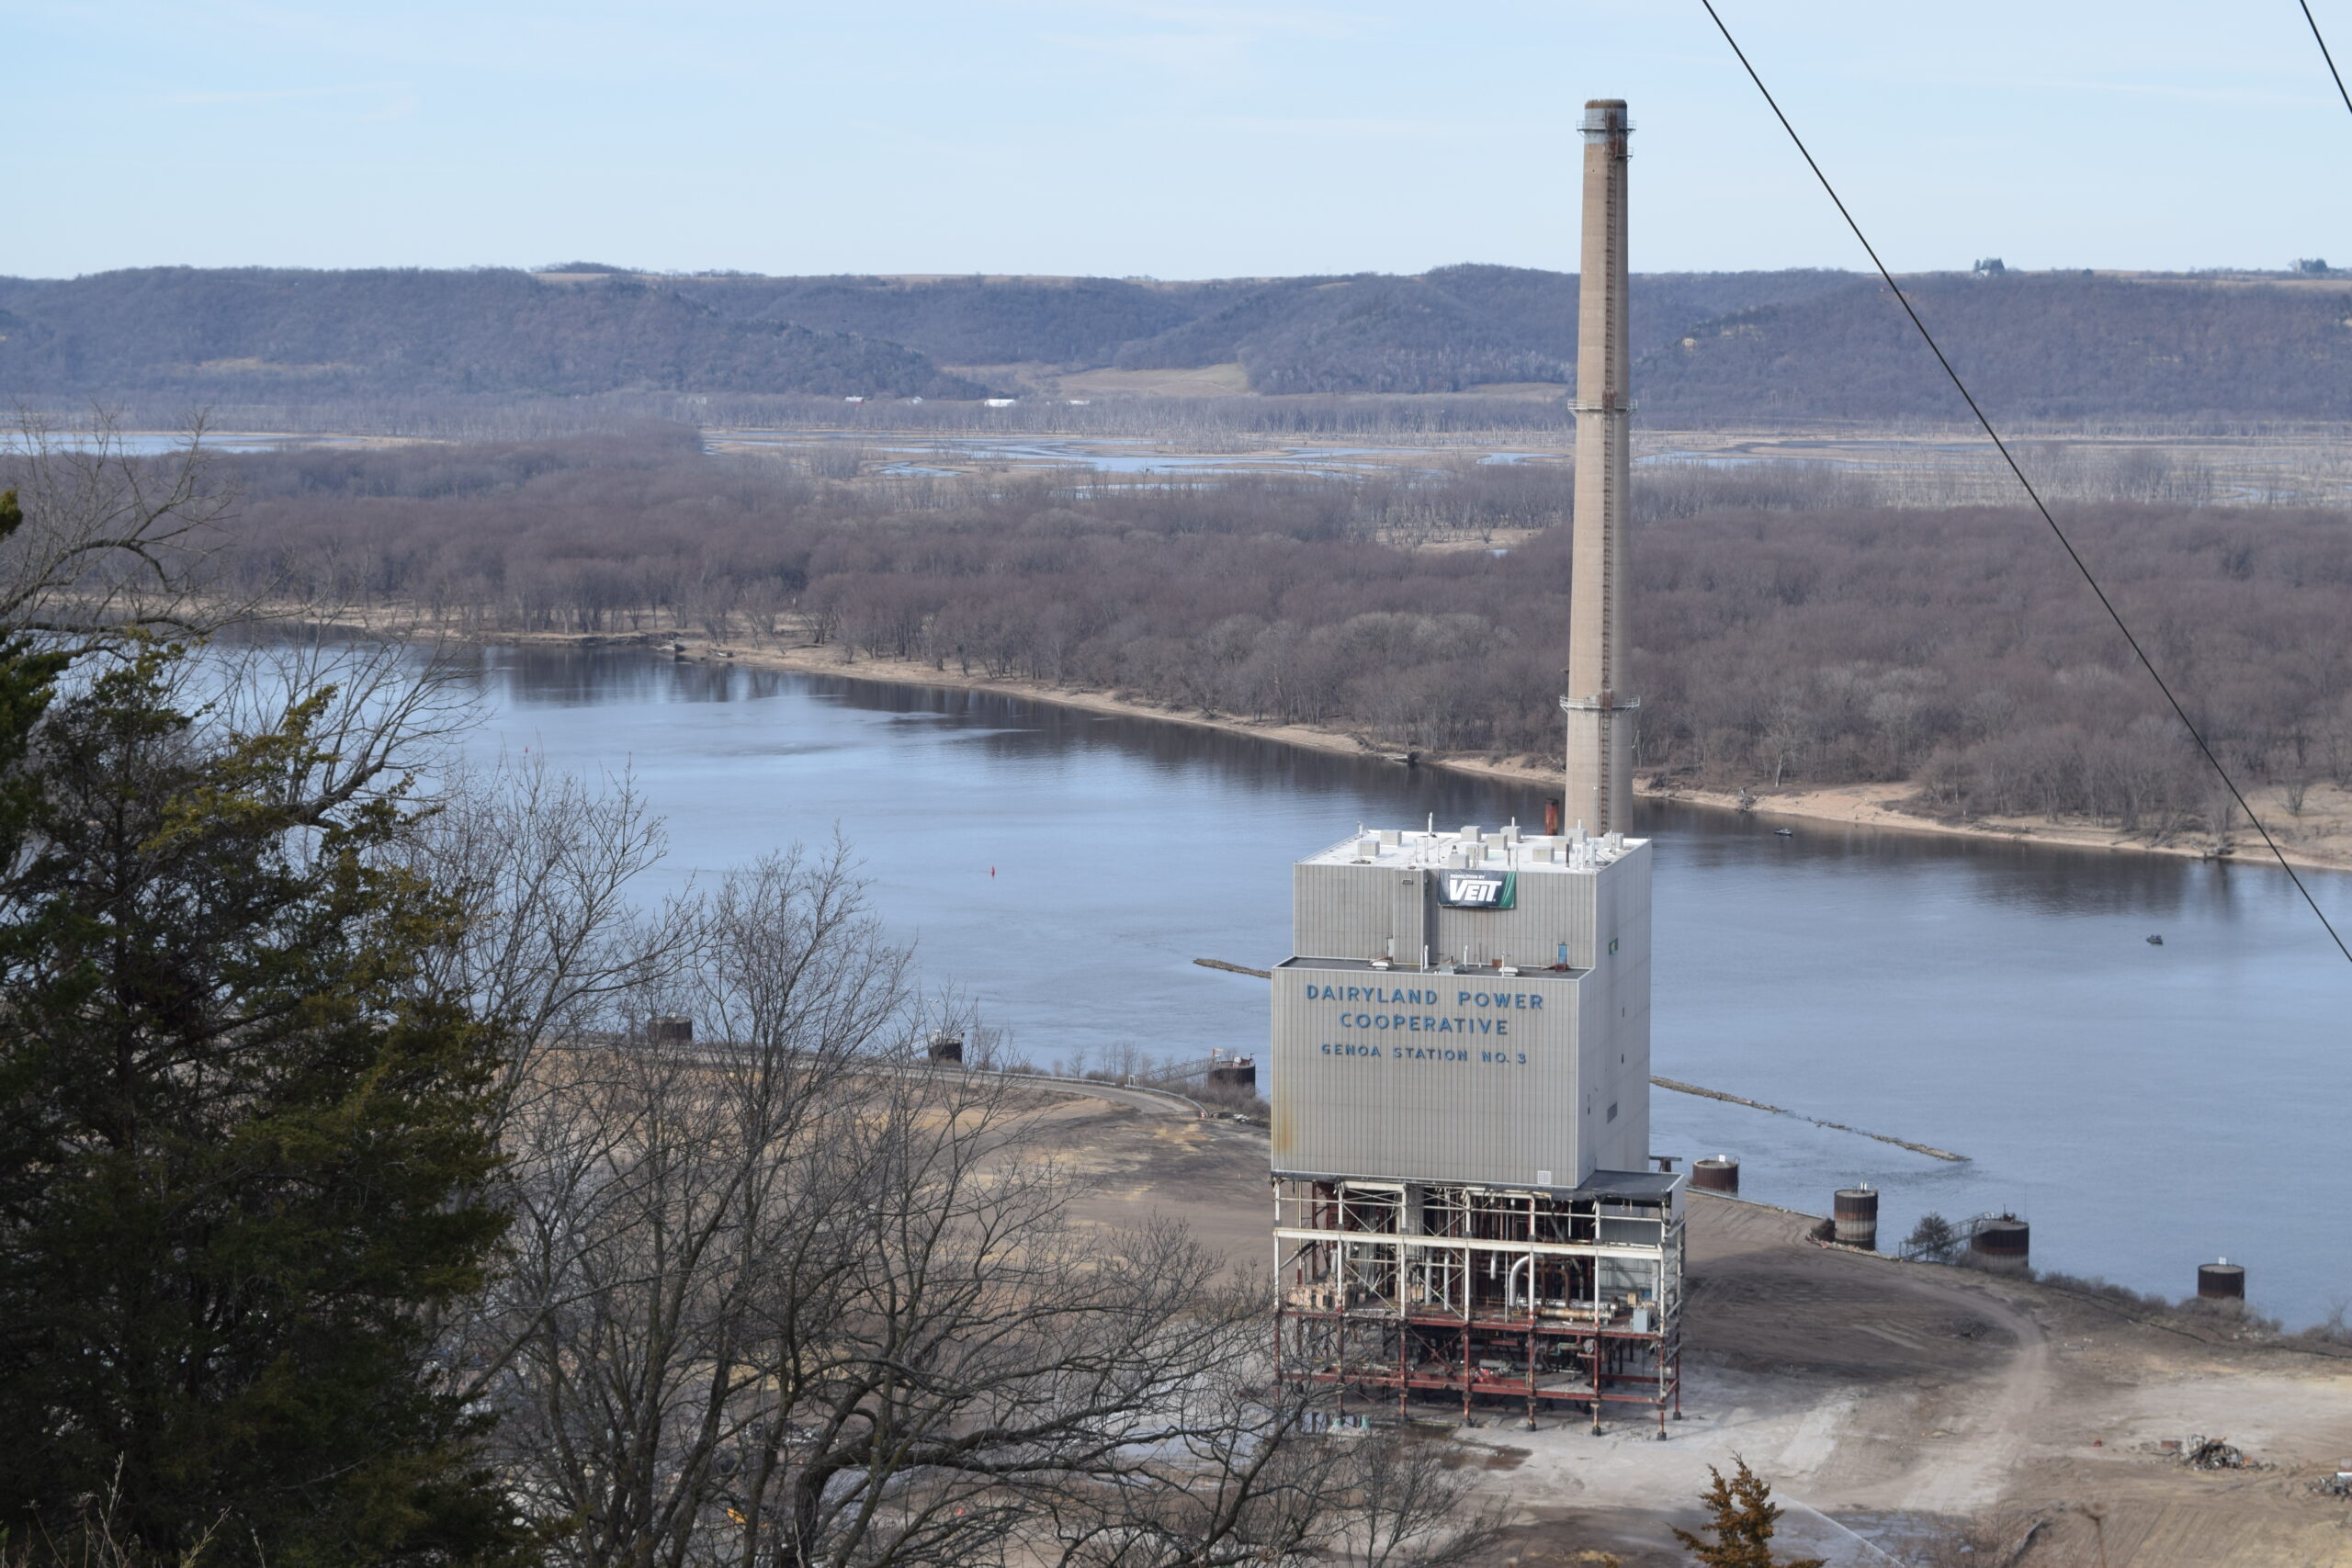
x,y
2147,1108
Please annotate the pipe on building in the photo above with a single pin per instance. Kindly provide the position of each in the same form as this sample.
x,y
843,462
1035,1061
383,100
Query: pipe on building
x,y
1510,1284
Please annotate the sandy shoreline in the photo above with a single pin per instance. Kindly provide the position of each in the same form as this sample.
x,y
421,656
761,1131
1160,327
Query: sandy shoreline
x,y
2323,841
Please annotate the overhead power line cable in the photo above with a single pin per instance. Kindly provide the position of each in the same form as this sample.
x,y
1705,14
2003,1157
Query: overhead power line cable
x,y
2032,494
2320,38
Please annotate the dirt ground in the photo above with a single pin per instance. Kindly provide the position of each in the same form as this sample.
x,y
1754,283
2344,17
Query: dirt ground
x,y
1888,1403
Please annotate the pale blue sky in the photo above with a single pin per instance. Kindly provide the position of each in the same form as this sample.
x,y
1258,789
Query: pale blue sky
x,y
1158,137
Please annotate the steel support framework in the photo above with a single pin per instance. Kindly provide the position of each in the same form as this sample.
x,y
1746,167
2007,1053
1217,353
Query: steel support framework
x,y
1393,1289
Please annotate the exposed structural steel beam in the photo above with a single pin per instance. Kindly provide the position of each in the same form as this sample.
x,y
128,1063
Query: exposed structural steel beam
x,y
1525,1300
1601,713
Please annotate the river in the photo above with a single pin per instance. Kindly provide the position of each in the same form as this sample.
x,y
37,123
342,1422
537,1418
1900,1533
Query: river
x,y
2147,1108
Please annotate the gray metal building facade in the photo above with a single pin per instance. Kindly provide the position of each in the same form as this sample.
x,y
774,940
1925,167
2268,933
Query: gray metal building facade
x,y
1421,1039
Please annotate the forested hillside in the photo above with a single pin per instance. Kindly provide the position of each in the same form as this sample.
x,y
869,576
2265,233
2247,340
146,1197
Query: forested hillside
x,y
2043,347
960,320
1715,349
247,332
1358,334
1444,331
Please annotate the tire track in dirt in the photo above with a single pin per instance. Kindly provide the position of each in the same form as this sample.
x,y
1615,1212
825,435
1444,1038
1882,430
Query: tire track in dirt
x,y
1969,1472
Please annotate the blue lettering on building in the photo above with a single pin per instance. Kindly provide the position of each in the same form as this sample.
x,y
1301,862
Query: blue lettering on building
x,y
1393,1021
1529,999
1414,996
1391,995
1415,1023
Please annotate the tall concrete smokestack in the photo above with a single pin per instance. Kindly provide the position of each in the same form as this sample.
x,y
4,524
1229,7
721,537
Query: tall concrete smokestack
x,y
1600,716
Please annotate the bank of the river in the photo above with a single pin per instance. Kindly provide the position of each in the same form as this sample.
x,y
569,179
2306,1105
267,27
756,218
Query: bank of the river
x,y
2320,836
1063,866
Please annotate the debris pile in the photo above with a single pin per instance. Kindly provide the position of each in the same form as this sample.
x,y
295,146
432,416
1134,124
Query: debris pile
x,y
2201,1453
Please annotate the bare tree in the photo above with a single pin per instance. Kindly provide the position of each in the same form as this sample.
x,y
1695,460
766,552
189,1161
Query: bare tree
x,y
113,544
1417,1506
652,1189
546,866
792,1296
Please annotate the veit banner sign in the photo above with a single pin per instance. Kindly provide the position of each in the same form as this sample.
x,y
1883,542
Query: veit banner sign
x,y
1477,889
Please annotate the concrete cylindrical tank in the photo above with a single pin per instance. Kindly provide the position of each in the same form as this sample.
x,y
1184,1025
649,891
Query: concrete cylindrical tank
x,y
2222,1281
1855,1212
2004,1242
1716,1173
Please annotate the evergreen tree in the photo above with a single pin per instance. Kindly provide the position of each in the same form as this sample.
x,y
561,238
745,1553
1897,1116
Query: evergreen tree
x,y
1933,1238
1743,1516
244,1146
28,678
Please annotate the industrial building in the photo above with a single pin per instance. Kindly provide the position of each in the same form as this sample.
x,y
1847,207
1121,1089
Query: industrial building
x,y
1460,1062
